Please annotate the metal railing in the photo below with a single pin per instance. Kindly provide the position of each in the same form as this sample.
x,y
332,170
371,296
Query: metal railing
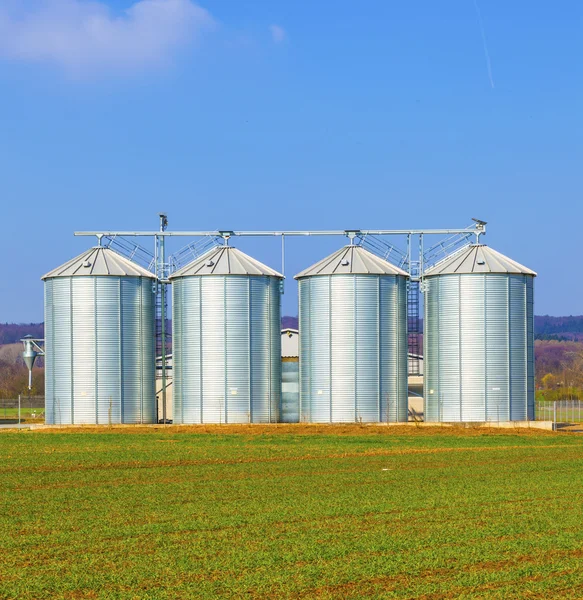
x,y
559,411
32,410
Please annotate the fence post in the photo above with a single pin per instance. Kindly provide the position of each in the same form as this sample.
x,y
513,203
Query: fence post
x,y
19,409
555,415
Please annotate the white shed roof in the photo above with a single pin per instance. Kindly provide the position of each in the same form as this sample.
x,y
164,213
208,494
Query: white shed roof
x,y
99,262
290,343
477,258
352,260
225,260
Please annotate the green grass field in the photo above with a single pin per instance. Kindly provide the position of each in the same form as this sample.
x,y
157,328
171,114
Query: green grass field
x,y
284,512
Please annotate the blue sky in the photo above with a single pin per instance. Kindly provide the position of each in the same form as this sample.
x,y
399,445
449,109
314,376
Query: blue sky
x,y
291,115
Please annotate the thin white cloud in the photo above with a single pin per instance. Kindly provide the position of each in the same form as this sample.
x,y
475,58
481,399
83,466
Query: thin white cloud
x,y
86,37
278,34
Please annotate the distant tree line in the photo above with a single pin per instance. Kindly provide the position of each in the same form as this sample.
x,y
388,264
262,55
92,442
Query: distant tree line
x,y
568,328
14,380
13,332
547,337
559,369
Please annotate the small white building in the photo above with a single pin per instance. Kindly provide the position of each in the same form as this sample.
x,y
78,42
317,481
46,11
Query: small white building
x,y
290,343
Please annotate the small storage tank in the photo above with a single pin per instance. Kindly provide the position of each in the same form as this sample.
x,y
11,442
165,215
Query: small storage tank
x,y
353,339
479,338
226,340
99,341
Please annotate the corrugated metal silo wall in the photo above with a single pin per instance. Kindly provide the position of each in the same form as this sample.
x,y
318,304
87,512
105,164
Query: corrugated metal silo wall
x,y
479,348
99,341
353,348
226,349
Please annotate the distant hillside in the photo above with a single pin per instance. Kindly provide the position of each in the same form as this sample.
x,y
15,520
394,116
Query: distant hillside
x,y
559,328
289,322
11,354
553,356
11,333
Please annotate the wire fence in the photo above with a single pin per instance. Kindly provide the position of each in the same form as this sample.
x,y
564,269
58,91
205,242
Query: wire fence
x,y
28,410
32,410
560,411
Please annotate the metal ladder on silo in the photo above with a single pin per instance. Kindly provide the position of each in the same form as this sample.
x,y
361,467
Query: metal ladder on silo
x,y
413,320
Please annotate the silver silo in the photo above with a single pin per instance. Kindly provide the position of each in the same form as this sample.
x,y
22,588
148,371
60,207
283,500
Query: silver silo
x,y
226,340
99,341
479,338
353,339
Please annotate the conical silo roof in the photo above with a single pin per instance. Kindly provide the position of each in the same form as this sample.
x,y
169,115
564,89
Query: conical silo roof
x,y
99,262
352,260
477,258
225,260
